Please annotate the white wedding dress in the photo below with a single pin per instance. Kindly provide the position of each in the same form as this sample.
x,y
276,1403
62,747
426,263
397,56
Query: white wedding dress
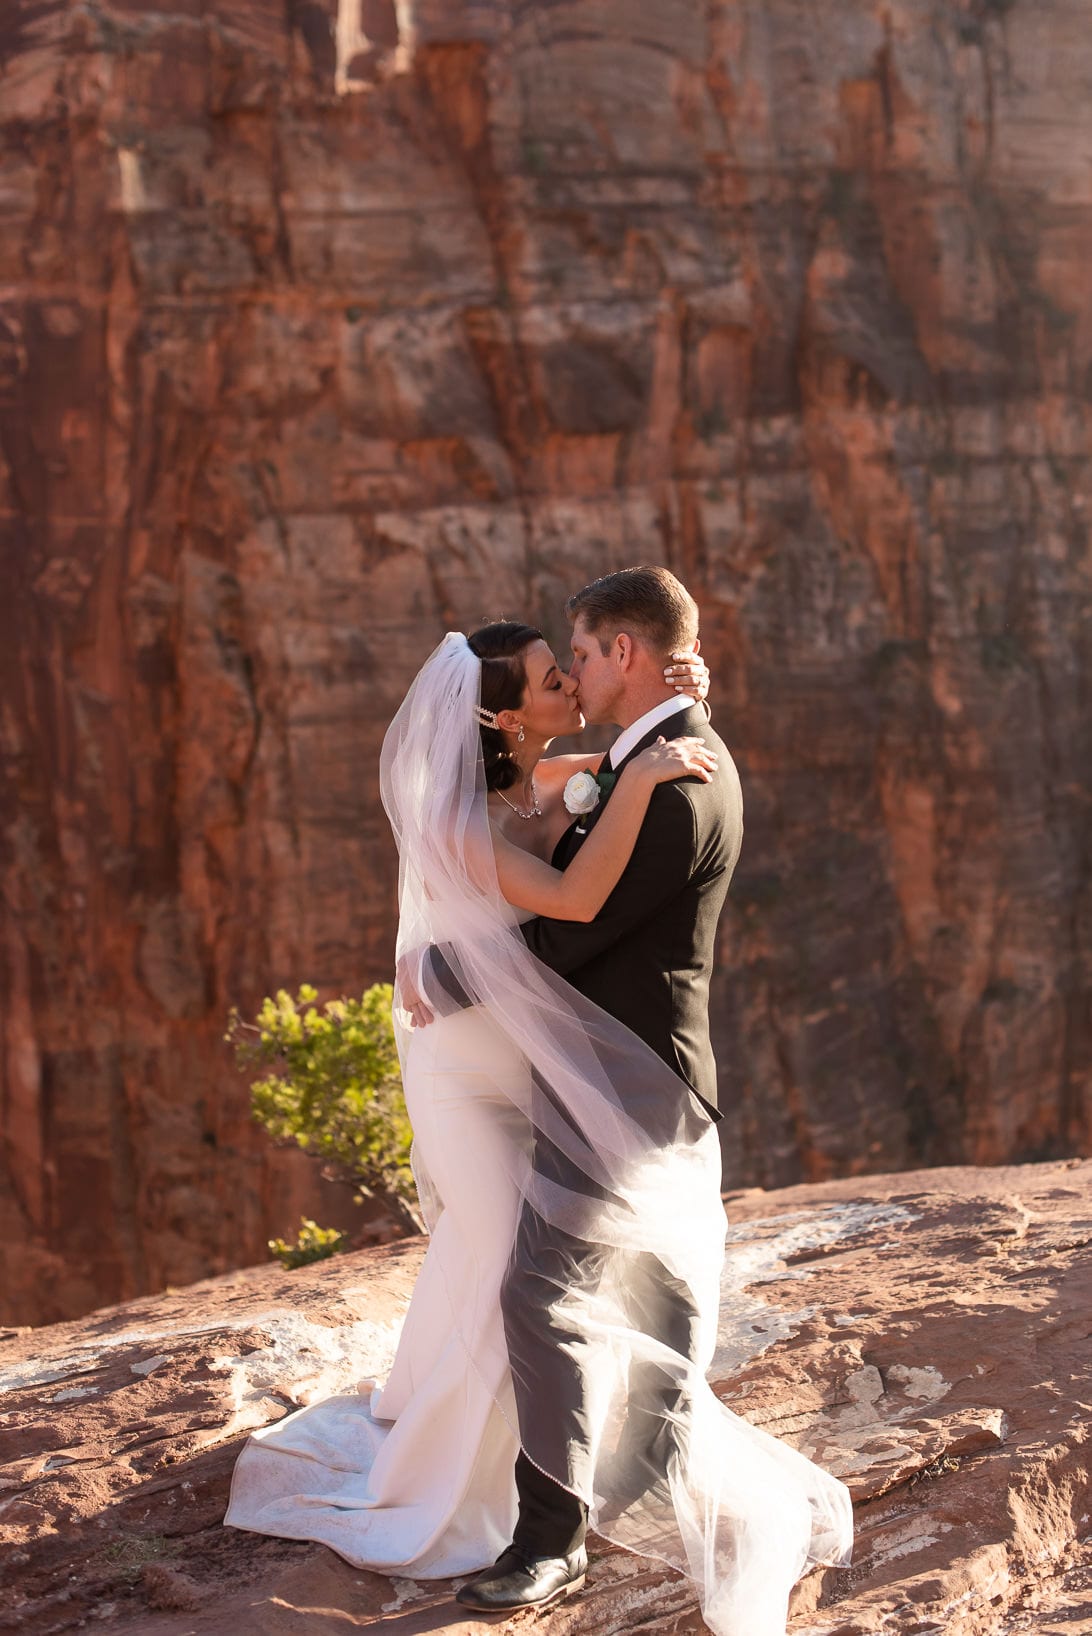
x,y
417,1475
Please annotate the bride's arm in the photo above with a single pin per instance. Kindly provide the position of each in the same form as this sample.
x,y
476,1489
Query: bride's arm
x,y
579,892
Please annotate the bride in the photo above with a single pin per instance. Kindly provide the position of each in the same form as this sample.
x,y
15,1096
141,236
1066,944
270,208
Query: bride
x,y
419,1479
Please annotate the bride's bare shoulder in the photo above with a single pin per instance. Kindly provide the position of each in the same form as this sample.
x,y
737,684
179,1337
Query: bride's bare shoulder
x,y
553,772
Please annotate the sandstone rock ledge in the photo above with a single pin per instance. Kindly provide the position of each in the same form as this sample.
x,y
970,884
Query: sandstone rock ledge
x,y
925,1335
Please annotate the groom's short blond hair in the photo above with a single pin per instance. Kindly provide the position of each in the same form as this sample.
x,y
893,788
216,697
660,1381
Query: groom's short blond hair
x,y
648,603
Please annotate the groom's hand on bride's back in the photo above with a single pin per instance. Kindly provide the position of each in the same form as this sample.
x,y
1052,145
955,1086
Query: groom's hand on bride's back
x,y
406,991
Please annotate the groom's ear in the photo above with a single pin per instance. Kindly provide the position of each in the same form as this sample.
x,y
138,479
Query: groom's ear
x,y
623,650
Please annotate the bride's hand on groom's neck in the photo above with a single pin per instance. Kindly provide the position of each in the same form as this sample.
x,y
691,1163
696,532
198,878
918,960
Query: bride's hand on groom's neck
x,y
688,673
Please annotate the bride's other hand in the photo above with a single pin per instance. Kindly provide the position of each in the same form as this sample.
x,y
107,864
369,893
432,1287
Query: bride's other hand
x,y
677,758
406,993
688,673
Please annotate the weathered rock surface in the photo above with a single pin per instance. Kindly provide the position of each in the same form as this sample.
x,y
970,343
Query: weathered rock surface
x,y
328,324
925,1335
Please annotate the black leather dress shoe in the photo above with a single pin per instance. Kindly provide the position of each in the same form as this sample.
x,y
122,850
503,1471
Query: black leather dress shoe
x,y
519,1580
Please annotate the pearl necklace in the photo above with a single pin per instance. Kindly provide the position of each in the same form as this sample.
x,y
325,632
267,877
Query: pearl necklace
x,y
536,810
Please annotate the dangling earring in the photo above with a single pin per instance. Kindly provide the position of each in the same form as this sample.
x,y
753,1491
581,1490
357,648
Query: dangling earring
x,y
521,735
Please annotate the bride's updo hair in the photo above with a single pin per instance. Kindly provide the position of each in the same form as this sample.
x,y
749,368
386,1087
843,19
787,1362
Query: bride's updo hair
x,y
502,649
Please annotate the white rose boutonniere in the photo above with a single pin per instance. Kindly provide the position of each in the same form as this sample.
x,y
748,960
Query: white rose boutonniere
x,y
581,793
584,791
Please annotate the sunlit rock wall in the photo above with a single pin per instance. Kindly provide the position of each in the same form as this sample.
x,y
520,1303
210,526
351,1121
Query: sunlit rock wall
x,y
326,327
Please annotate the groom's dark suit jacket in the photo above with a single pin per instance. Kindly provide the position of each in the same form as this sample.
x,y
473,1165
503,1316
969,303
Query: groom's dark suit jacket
x,y
647,957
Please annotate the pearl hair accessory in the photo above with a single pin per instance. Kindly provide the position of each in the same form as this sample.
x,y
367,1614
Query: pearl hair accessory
x,y
488,718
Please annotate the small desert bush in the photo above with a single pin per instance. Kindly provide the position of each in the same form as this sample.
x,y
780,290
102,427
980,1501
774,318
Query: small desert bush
x,y
313,1243
332,1084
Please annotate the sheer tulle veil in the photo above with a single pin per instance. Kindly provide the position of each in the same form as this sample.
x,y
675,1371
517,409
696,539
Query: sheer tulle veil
x,y
622,1168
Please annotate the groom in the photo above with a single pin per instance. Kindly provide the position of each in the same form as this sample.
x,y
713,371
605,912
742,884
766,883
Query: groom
x,y
646,959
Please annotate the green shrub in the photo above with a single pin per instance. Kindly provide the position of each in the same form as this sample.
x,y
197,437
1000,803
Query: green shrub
x,y
334,1087
313,1243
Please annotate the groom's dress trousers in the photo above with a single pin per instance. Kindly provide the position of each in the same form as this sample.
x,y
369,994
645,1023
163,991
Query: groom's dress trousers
x,y
646,959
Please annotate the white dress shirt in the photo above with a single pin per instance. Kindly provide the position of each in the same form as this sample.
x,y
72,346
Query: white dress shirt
x,y
635,732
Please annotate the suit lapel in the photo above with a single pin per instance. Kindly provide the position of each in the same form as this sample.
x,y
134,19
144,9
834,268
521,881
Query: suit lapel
x,y
566,846
578,832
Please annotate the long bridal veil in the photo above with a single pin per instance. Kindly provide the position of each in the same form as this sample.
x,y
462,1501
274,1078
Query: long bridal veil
x,y
613,1285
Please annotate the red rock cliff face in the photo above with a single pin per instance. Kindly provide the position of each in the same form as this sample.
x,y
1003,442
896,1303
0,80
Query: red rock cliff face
x,y
328,326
